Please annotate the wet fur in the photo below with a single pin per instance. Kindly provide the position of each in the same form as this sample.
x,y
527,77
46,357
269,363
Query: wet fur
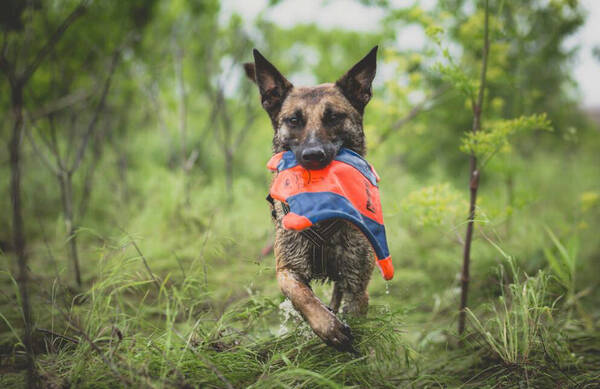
x,y
314,107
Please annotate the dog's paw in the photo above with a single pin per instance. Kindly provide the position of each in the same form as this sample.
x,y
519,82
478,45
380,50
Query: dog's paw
x,y
334,333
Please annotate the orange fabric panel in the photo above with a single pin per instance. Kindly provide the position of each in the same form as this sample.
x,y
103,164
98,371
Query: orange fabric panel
x,y
337,177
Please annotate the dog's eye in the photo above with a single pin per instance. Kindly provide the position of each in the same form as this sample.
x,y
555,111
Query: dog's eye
x,y
292,121
332,118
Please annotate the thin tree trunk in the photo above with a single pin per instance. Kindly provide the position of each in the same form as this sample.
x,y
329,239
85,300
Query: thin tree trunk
x,y
473,181
510,192
88,180
465,276
227,146
122,164
17,85
229,174
19,228
182,104
66,190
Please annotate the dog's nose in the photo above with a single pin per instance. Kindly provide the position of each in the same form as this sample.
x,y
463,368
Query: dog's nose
x,y
313,155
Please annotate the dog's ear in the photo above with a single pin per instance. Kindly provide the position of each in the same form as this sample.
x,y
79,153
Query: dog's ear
x,y
250,70
273,86
356,83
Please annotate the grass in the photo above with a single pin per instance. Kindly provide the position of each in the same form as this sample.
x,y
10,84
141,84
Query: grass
x,y
194,304
125,331
136,328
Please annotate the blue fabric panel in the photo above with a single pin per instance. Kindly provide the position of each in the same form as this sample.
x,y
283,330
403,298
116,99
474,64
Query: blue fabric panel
x,y
288,160
353,159
378,230
319,206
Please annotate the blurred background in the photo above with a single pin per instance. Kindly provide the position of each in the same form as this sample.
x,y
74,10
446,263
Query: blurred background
x,y
141,157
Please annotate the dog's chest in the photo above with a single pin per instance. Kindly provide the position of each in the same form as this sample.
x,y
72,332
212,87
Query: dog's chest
x,y
332,249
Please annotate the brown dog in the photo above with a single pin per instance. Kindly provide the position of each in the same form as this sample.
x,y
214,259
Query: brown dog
x,y
314,123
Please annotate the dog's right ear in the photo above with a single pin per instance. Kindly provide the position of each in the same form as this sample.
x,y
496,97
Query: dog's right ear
x,y
273,86
356,83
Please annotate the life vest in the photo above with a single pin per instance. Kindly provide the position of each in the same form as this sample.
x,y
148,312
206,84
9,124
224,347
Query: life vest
x,y
345,189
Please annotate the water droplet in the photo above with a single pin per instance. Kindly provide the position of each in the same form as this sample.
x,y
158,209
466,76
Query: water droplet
x,y
291,318
387,287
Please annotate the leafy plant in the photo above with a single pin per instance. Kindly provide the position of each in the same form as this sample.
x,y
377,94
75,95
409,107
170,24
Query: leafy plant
x,y
433,205
494,136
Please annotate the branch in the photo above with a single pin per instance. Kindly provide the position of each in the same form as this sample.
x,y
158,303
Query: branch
x,y
414,112
95,347
143,259
94,121
44,51
146,264
55,147
54,169
65,337
59,104
218,108
189,162
6,66
89,175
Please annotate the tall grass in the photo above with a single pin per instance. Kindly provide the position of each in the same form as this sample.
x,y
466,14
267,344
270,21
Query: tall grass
x,y
563,265
134,328
521,318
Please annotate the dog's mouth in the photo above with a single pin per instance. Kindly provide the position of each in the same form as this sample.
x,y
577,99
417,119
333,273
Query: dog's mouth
x,y
316,156
315,165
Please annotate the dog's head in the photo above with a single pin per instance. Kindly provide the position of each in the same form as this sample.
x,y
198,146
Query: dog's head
x,y
315,122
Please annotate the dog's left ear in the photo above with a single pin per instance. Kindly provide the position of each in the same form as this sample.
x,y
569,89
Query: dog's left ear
x,y
356,83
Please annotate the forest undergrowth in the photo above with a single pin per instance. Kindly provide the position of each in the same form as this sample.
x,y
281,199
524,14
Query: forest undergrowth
x,y
135,238
157,313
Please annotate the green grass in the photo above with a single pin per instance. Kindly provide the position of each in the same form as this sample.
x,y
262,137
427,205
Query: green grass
x,y
127,329
208,313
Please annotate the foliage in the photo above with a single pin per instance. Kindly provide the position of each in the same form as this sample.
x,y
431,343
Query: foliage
x,y
175,291
434,205
494,136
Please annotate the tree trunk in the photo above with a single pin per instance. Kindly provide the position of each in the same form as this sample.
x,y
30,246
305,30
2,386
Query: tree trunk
x,y
465,276
182,104
14,149
88,180
66,190
229,175
473,180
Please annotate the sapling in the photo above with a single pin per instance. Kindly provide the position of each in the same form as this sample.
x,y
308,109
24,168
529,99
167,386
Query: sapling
x,y
63,167
481,142
19,70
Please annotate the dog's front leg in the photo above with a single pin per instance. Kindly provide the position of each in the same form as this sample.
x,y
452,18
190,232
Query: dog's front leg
x,y
323,322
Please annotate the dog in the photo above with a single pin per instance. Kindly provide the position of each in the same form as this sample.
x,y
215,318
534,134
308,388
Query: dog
x,y
314,123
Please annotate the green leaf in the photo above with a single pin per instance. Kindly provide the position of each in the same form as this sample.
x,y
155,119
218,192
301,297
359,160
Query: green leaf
x,y
495,136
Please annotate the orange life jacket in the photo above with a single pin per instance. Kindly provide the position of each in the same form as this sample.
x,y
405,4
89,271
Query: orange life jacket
x,y
346,189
